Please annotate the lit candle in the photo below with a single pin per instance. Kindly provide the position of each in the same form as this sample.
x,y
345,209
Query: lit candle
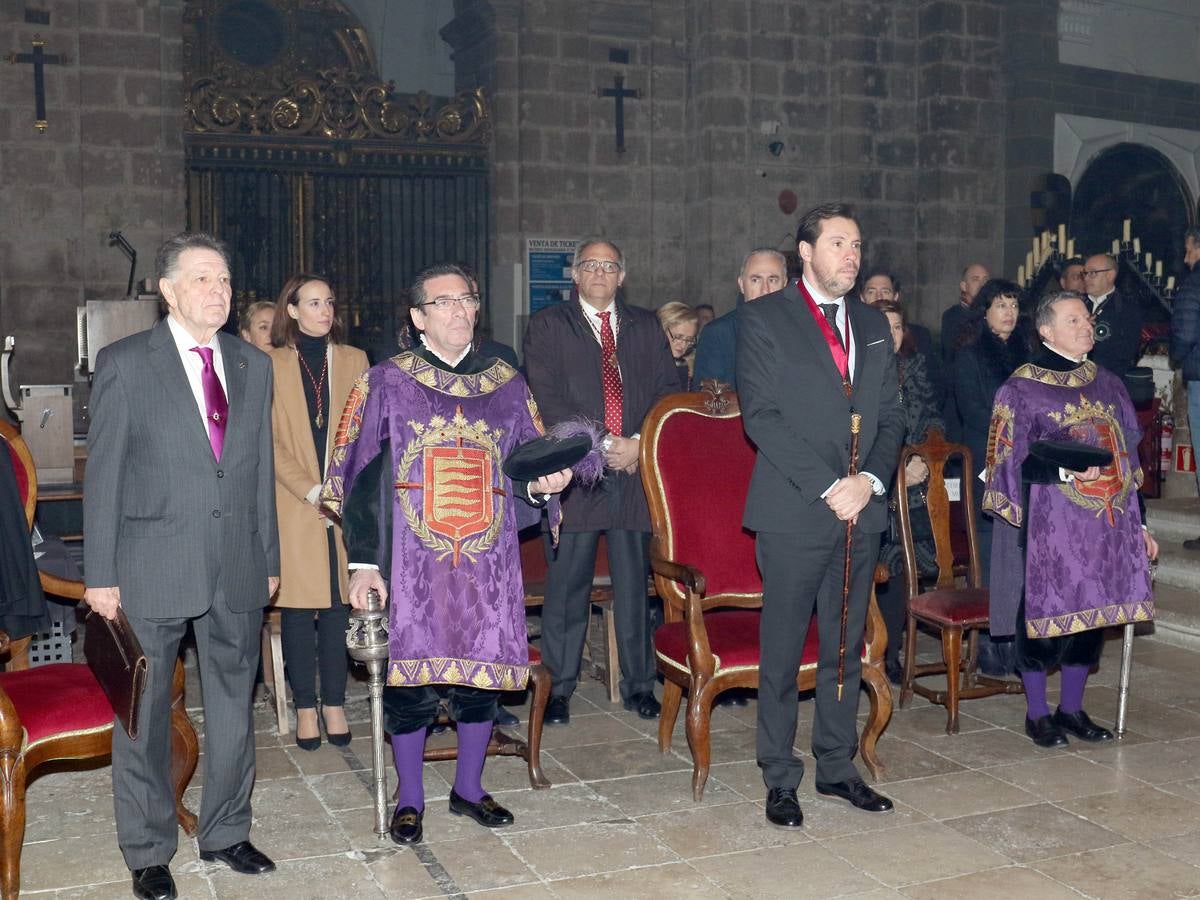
x,y
1029,263
1071,248
1158,269
1020,275
1170,282
1137,246
1045,243
1125,230
1149,261
1062,238
1116,248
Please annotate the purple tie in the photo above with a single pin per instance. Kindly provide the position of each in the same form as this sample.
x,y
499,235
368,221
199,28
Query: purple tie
x,y
215,405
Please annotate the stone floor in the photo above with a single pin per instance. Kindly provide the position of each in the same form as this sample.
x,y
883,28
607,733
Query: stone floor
x,y
980,814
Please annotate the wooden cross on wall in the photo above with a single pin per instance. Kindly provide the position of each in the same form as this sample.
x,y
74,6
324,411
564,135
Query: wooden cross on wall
x,y
38,58
619,92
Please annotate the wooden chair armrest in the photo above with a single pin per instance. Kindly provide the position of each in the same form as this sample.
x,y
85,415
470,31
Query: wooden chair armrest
x,y
68,588
4,642
691,578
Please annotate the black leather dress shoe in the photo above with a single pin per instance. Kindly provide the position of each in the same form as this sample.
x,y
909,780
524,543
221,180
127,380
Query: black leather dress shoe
x,y
406,825
243,857
783,809
1080,725
1044,732
153,883
487,812
644,705
858,793
506,719
558,711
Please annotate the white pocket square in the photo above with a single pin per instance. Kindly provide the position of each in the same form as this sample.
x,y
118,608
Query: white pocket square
x,y
873,343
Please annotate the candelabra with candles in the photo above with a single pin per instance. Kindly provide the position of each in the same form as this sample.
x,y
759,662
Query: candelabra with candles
x,y
1050,250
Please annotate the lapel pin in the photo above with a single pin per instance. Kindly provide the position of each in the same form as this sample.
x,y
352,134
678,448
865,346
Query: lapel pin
x,y
242,364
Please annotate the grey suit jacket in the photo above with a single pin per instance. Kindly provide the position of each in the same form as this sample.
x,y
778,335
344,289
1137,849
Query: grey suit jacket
x,y
164,520
795,411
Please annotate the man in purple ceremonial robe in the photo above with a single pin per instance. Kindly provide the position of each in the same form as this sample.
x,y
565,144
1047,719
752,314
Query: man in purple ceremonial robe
x,y
416,477
1075,559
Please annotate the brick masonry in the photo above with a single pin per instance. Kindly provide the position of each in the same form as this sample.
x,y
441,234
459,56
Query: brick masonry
x,y
932,116
112,158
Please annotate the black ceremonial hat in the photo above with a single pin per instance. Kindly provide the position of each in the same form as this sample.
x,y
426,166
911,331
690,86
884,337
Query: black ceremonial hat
x,y
1070,455
546,455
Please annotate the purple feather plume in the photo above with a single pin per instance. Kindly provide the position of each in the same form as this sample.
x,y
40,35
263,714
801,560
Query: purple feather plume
x,y
590,469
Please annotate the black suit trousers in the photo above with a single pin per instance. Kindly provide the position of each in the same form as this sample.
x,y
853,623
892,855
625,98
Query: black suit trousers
x,y
803,572
567,608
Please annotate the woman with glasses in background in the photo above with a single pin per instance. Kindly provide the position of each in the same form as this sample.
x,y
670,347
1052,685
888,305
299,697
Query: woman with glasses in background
x,y
314,372
681,324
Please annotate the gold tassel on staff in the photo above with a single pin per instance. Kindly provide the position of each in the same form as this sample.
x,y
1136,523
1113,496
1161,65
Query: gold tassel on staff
x,y
855,427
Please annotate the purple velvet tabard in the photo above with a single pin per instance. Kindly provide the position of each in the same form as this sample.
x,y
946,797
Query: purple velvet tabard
x,y
1085,561
457,613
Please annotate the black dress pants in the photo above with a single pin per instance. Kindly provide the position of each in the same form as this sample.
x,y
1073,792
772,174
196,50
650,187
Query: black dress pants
x,y
566,609
802,573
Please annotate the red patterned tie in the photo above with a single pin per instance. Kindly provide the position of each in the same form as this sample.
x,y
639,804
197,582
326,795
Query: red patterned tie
x,y
215,405
614,394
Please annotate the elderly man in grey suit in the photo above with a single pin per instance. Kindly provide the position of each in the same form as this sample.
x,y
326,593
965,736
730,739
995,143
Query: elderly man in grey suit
x,y
179,529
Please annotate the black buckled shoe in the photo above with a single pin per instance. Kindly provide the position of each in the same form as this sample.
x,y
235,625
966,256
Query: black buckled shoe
x,y
858,793
783,809
1044,732
406,827
487,812
243,857
1080,725
644,705
153,883
558,711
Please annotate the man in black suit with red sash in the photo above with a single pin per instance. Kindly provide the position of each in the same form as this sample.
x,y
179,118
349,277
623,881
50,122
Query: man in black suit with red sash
x,y
806,360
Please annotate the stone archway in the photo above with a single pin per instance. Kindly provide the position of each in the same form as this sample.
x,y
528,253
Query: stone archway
x,y
1132,181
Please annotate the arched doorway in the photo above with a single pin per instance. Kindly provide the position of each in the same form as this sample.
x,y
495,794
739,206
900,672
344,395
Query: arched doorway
x,y
1132,181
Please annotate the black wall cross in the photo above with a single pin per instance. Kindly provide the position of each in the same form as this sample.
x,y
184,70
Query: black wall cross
x,y
38,58
619,92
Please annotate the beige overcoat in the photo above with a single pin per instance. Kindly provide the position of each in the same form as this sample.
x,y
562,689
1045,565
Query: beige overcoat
x,y
303,553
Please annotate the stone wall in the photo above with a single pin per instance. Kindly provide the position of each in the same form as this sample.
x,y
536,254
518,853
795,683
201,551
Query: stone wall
x,y
895,106
112,158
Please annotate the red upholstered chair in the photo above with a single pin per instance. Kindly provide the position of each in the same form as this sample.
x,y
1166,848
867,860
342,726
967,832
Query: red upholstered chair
x,y
58,712
946,608
696,463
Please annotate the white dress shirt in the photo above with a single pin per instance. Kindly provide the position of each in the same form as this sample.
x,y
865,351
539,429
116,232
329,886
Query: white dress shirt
x,y
193,365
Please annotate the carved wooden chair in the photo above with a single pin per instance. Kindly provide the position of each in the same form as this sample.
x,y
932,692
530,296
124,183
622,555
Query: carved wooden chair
x,y
947,608
696,462
58,712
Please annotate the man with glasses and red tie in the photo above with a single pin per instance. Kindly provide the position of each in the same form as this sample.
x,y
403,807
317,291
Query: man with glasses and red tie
x,y
179,511
1117,320
600,359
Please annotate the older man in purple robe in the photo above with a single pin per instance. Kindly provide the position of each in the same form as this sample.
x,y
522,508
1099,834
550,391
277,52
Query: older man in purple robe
x,y
1075,559
416,476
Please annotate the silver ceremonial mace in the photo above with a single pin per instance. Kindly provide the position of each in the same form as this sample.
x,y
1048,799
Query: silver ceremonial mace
x,y
367,643
1123,680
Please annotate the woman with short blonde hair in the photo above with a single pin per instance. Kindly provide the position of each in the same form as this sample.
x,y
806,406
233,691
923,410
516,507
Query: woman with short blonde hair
x,y
681,324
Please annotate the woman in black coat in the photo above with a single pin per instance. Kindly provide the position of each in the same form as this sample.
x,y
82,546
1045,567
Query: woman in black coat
x,y
921,414
993,343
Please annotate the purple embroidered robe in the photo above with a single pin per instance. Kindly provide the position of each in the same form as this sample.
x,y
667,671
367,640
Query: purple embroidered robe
x,y
1085,560
456,596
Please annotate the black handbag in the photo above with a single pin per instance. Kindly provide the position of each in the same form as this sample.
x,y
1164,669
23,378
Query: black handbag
x,y
115,657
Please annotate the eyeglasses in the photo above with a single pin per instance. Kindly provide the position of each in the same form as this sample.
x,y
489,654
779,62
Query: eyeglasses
x,y
468,301
607,266
1092,273
680,339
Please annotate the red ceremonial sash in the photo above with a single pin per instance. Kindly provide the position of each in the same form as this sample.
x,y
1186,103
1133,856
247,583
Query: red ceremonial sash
x,y
841,355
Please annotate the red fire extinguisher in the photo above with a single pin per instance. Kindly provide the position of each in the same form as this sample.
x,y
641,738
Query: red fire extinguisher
x,y
1165,435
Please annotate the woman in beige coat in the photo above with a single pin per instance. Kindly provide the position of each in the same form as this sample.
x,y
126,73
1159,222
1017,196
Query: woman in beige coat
x,y
314,372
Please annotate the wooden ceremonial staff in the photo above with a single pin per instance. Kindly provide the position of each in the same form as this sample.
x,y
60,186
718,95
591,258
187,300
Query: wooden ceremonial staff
x,y
855,427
